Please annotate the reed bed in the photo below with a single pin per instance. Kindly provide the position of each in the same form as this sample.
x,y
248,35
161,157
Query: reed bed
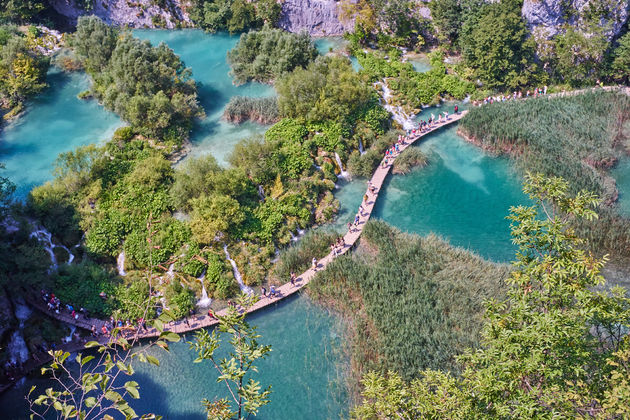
x,y
576,137
260,110
413,302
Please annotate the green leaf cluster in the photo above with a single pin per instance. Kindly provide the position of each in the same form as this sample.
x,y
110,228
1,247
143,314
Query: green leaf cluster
x,y
267,54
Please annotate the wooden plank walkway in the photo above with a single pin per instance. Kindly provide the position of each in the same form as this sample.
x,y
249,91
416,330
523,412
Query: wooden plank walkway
x,y
287,289
203,321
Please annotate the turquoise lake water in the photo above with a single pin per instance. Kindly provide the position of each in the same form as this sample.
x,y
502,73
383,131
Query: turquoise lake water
x,y
305,369
621,173
205,54
462,195
55,121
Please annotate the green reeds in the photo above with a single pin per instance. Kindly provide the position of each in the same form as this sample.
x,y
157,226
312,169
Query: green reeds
x,y
576,137
260,110
413,302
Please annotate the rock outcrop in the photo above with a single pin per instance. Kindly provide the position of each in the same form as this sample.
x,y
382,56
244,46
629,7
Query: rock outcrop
x,y
317,17
132,13
546,18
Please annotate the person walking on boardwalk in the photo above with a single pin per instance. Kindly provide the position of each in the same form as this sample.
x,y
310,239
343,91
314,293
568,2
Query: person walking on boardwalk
x,y
263,291
293,278
314,266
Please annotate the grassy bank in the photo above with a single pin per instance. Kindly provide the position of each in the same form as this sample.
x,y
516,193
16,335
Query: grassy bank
x,y
578,138
412,303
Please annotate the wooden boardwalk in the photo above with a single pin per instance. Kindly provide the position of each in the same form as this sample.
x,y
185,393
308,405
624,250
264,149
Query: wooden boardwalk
x,y
287,289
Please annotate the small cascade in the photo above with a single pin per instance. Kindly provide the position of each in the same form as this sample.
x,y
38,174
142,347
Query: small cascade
x,y
361,150
400,116
171,271
69,338
120,263
300,233
45,238
342,173
70,254
18,352
261,192
205,301
237,274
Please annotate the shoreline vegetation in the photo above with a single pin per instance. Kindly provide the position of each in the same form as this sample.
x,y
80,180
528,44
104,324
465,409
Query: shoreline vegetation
x,y
393,277
592,126
260,110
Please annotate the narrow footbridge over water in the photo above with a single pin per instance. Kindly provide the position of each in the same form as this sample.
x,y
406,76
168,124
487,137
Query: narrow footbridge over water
x,y
287,289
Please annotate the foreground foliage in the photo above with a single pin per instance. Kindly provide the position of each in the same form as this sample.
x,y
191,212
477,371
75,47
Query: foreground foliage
x,y
555,348
246,394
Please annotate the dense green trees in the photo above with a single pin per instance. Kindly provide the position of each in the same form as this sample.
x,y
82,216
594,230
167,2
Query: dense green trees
x,y
554,348
621,60
267,54
234,15
412,89
147,86
446,16
496,46
327,90
21,11
22,70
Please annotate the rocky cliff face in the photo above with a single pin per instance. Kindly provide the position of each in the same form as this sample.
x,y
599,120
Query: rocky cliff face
x,y
317,17
547,17
133,13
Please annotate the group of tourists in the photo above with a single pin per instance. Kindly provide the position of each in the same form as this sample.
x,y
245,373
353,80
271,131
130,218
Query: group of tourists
x,y
54,304
338,247
515,95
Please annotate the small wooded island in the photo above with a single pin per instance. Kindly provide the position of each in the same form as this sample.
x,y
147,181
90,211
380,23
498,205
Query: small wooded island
x,y
225,209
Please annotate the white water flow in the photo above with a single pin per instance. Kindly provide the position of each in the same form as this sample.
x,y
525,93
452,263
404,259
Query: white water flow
x,y
120,263
45,238
300,233
342,173
18,352
261,192
237,274
171,271
361,150
205,301
399,115
69,338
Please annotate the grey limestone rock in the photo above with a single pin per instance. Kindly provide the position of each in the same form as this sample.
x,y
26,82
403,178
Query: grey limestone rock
x,y
132,13
546,18
317,17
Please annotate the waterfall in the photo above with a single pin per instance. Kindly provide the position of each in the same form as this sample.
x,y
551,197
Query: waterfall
x,y
45,238
69,338
342,173
300,233
361,151
18,352
205,301
400,116
120,263
261,192
171,271
237,274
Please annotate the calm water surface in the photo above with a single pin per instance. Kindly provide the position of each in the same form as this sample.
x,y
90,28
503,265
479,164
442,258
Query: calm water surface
x,y
205,54
462,194
56,121
305,369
